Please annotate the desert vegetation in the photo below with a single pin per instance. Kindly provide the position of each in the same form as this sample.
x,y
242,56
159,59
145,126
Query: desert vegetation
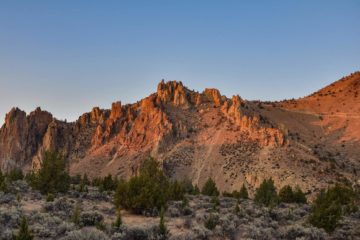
x,y
152,206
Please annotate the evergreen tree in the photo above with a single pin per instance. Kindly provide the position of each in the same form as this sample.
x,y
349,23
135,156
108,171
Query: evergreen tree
x,y
330,205
266,193
15,174
109,184
176,191
243,192
196,190
146,191
24,232
299,195
52,176
286,194
210,188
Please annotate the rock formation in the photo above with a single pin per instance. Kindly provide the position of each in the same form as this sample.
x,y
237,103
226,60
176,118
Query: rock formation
x,y
195,135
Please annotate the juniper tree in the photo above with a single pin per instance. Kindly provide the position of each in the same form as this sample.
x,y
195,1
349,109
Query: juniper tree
x,y
266,193
210,188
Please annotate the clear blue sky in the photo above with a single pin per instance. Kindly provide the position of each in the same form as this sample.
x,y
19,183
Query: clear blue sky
x,y
68,56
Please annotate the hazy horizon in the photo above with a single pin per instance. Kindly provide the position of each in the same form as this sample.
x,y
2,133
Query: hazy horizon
x,y
68,57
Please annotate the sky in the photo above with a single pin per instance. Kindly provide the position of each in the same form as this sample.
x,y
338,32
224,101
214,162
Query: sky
x,y
69,56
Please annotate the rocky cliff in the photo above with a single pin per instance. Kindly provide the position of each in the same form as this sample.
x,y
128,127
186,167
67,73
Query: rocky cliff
x,y
195,135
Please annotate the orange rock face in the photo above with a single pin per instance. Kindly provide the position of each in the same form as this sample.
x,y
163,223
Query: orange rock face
x,y
194,135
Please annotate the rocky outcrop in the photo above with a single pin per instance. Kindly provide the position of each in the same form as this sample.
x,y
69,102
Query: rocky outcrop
x,y
144,126
21,136
173,92
193,134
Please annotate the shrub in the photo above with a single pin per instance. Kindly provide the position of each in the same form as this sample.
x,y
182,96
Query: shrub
x,y
108,183
50,197
196,190
24,232
162,227
86,234
330,205
287,195
118,222
3,184
90,218
299,196
15,174
266,193
210,188
144,192
216,202
211,222
2,177
237,209
176,190
75,218
83,187
85,179
233,194
75,179
52,176
243,192
188,187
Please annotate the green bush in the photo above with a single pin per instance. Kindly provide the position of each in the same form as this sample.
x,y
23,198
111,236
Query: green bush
x,y
75,218
118,222
211,222
146,191
330,205
15,174
109,184
52,176
24,232
3,184
176,190
210,188
196,190
266,193
216,203
162,227
243,192
287,195
299,195
233,194
50,197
